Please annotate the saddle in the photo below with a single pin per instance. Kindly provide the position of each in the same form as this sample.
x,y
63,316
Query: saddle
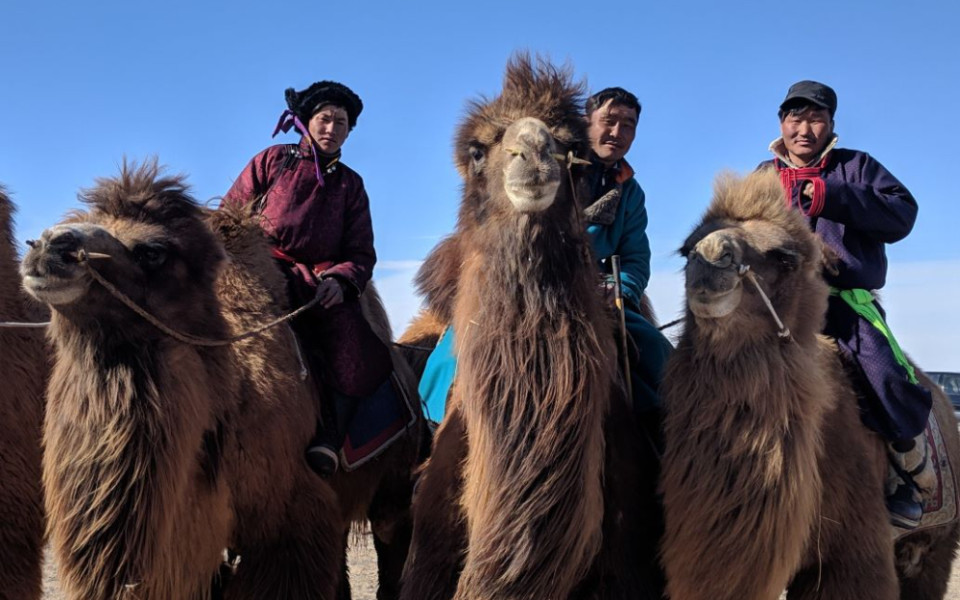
x,y
939,503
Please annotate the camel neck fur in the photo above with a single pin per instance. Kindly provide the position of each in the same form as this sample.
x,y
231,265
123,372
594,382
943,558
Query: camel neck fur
x,y
534,382
142,418
760,426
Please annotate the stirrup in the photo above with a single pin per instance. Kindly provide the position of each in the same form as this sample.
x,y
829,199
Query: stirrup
x,y
323,460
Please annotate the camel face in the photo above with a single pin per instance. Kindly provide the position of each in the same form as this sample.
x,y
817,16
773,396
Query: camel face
x,y
531,174
712,278
52,271
767,243
507,148
146,237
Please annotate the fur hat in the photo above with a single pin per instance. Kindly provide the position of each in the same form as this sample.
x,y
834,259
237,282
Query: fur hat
x,y
306,103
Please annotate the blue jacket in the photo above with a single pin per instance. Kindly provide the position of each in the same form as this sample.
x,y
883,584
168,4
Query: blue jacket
x,y
858,207
617,224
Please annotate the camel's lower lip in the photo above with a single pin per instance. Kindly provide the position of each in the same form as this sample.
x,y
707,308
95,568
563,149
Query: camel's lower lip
x,y
713,305
53,290
532,198
532,192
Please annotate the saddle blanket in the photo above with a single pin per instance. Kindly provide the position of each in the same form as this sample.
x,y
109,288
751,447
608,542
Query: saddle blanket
x,y
379,420
940,507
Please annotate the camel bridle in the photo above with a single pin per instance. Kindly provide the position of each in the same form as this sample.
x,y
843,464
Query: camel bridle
x,y
744,272
84,259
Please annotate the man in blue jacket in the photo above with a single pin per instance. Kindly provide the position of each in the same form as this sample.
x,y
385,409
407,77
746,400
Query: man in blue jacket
x,y
617,224
857,207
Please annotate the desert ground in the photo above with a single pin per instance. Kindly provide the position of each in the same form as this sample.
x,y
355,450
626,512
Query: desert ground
x,y
363,575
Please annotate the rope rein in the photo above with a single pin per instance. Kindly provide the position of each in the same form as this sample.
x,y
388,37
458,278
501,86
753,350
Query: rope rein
x,y
671,324
784,332
744,271
177,335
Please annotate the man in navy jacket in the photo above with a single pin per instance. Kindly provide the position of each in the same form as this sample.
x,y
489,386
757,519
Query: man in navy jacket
x,y
857,207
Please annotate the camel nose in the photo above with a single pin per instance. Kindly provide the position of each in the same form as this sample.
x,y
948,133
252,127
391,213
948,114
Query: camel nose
x,y
532,140
718,250
61,241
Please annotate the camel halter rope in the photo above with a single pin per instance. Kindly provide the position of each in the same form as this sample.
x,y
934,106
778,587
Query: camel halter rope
x,y
84,257
22,325
783,332
744,271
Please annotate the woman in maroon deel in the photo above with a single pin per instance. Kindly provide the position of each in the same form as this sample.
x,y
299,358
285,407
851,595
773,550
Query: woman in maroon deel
x,y
317,214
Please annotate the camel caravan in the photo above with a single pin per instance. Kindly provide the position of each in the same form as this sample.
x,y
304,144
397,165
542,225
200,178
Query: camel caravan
x,y
178,405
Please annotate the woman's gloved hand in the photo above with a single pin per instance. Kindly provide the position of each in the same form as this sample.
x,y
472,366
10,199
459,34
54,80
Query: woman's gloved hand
x,y
329,292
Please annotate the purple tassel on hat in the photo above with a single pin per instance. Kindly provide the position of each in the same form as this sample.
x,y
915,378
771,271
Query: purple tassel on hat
x,y
288,120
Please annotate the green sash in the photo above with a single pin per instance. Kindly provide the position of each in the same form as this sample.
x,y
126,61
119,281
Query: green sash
x,y
861,301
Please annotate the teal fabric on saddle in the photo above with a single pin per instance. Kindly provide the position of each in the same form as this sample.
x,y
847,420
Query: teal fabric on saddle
x,y
438,377
645,373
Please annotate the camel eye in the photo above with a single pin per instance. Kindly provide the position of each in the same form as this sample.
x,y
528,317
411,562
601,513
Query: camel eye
x,y
785,258
476,154
150,256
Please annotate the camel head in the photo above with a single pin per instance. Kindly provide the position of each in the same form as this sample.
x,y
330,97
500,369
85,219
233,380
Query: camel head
x,y
146,236
512,151
750,235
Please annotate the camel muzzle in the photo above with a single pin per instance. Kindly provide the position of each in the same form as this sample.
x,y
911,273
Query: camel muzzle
x,y
51,268
532,174
713,275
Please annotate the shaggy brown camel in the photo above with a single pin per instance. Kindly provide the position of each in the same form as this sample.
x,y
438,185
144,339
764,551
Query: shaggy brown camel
x,y
770,480
162,453
537,486
23,371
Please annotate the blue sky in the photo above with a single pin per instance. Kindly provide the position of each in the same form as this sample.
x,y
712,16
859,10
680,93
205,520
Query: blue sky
x,y
200,86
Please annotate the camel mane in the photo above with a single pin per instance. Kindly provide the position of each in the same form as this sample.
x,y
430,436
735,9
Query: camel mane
x,y
530,88
6,218
141,191
758,197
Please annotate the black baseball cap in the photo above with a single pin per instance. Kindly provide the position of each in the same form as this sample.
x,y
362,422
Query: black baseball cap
x,y
813,92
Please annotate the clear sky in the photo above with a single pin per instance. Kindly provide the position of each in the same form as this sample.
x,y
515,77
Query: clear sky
x,y
200,85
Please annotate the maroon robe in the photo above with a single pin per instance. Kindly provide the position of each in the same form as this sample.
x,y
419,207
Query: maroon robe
x,y
322,231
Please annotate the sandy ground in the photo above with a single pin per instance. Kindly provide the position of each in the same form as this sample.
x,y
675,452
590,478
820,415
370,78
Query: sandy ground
x,y
362,561
363,575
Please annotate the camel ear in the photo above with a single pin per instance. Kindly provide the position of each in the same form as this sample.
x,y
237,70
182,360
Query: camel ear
x,y
786,257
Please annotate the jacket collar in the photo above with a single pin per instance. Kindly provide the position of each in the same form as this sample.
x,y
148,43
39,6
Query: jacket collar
x,y
621,170
779,150
326,163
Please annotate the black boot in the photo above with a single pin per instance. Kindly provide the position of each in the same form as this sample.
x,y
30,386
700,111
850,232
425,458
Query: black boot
x,y
904,506
904,499
323,453
323,458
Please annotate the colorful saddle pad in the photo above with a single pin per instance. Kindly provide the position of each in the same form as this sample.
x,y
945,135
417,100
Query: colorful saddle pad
x,y
380,420
940,507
